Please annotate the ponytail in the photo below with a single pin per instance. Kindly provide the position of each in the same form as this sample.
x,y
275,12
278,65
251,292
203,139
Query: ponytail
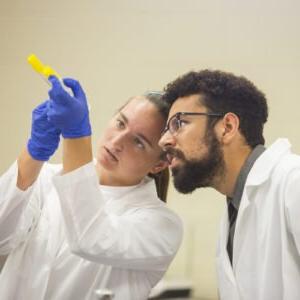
x,y
161,178
162,183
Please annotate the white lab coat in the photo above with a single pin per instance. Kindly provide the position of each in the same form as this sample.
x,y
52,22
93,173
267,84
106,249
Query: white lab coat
x,y
266,249
72,237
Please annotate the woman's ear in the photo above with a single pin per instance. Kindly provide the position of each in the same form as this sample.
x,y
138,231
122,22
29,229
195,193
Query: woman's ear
x,y
228,128
160,165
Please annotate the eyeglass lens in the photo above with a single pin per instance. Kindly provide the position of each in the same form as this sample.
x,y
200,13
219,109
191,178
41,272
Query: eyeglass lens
x,y
174,124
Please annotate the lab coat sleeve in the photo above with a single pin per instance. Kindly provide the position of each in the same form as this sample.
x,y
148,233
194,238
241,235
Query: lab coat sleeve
x,y
145,239
13,203
292,208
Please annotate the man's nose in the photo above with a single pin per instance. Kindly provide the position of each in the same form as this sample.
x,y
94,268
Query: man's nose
x,y
167,140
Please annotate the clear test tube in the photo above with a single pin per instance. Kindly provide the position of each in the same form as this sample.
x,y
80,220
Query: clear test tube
x,y
45,71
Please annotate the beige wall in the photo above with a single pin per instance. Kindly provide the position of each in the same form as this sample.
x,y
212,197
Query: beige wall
x,y
121,48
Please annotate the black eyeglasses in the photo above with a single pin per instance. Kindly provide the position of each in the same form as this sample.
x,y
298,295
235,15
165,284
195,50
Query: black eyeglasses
x,y
175,122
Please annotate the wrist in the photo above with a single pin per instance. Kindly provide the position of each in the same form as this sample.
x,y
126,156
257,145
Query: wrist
x,y
82,129
28,170
36,151
42,149
76,153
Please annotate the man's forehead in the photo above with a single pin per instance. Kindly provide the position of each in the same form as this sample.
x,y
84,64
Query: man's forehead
x,y
190,103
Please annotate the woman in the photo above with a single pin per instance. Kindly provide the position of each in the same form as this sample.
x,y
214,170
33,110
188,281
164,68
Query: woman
x,y
72,229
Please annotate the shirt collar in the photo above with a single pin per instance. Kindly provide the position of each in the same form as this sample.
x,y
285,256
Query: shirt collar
x,y
241,180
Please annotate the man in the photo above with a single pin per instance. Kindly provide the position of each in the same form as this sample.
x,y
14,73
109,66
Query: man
x,y
214,138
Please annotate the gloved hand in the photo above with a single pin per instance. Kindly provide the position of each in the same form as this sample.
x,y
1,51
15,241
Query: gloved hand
x,y
67,113
44,137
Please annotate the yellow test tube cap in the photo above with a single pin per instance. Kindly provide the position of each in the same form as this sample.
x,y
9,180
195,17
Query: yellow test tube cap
x,y
36,64
39,67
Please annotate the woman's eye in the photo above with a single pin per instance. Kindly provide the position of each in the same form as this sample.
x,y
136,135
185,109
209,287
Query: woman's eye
x,y
120,124
139,143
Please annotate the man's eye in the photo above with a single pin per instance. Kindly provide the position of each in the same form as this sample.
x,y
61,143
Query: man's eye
x,y
120,124
139,143
182,122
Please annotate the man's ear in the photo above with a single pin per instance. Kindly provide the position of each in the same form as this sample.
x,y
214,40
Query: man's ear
x,y
160,165
228,128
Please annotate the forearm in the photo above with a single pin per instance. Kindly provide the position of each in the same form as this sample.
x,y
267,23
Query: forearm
x,y
28,170
76,153
13,204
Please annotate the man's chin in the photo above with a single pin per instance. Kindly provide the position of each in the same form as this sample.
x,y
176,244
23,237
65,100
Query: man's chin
x,y
186,181
175,170
183,187
182,182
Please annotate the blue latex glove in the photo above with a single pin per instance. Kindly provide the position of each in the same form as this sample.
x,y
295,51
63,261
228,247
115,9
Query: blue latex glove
x,y
69,113
44,137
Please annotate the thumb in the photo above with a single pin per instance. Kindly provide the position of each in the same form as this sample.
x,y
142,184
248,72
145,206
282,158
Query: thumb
x,y
57,92
75,86
55,82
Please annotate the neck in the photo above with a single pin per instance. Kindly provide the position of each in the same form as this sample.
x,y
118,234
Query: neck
x,y
108,178
234,160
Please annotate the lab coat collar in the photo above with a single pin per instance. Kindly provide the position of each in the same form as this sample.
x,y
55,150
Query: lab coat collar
x,y
141,196
266,162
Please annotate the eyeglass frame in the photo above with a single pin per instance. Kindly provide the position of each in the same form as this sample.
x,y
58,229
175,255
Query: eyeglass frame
x,y
177,117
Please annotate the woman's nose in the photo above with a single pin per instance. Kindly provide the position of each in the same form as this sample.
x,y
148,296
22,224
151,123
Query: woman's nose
x,y
118,142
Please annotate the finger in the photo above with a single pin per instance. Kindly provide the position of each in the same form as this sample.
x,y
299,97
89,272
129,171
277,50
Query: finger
x,y
48,104
51,112
57,92
41,108
75,86
55,82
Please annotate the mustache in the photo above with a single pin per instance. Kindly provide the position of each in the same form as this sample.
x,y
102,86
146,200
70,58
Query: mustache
x,y
174,153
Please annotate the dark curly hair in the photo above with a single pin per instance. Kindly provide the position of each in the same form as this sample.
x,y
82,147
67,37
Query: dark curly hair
x,y
223,92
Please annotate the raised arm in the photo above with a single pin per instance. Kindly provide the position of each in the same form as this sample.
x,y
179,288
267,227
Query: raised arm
x,y
15,193
71,116
43,142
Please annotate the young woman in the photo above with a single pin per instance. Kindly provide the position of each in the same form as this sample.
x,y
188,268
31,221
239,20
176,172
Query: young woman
x,y
86,225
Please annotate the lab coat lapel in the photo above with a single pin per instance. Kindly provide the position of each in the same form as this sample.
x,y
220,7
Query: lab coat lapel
x,y
259,173
227,282
222,249
239,233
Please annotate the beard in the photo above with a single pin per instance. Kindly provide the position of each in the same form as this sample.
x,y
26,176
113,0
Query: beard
x,y
197,173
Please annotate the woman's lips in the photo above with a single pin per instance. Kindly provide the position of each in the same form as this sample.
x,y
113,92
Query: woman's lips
x,y
111,154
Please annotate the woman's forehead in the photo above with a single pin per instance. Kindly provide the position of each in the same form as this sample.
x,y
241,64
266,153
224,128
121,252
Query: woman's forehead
x,y
142,115
139,108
